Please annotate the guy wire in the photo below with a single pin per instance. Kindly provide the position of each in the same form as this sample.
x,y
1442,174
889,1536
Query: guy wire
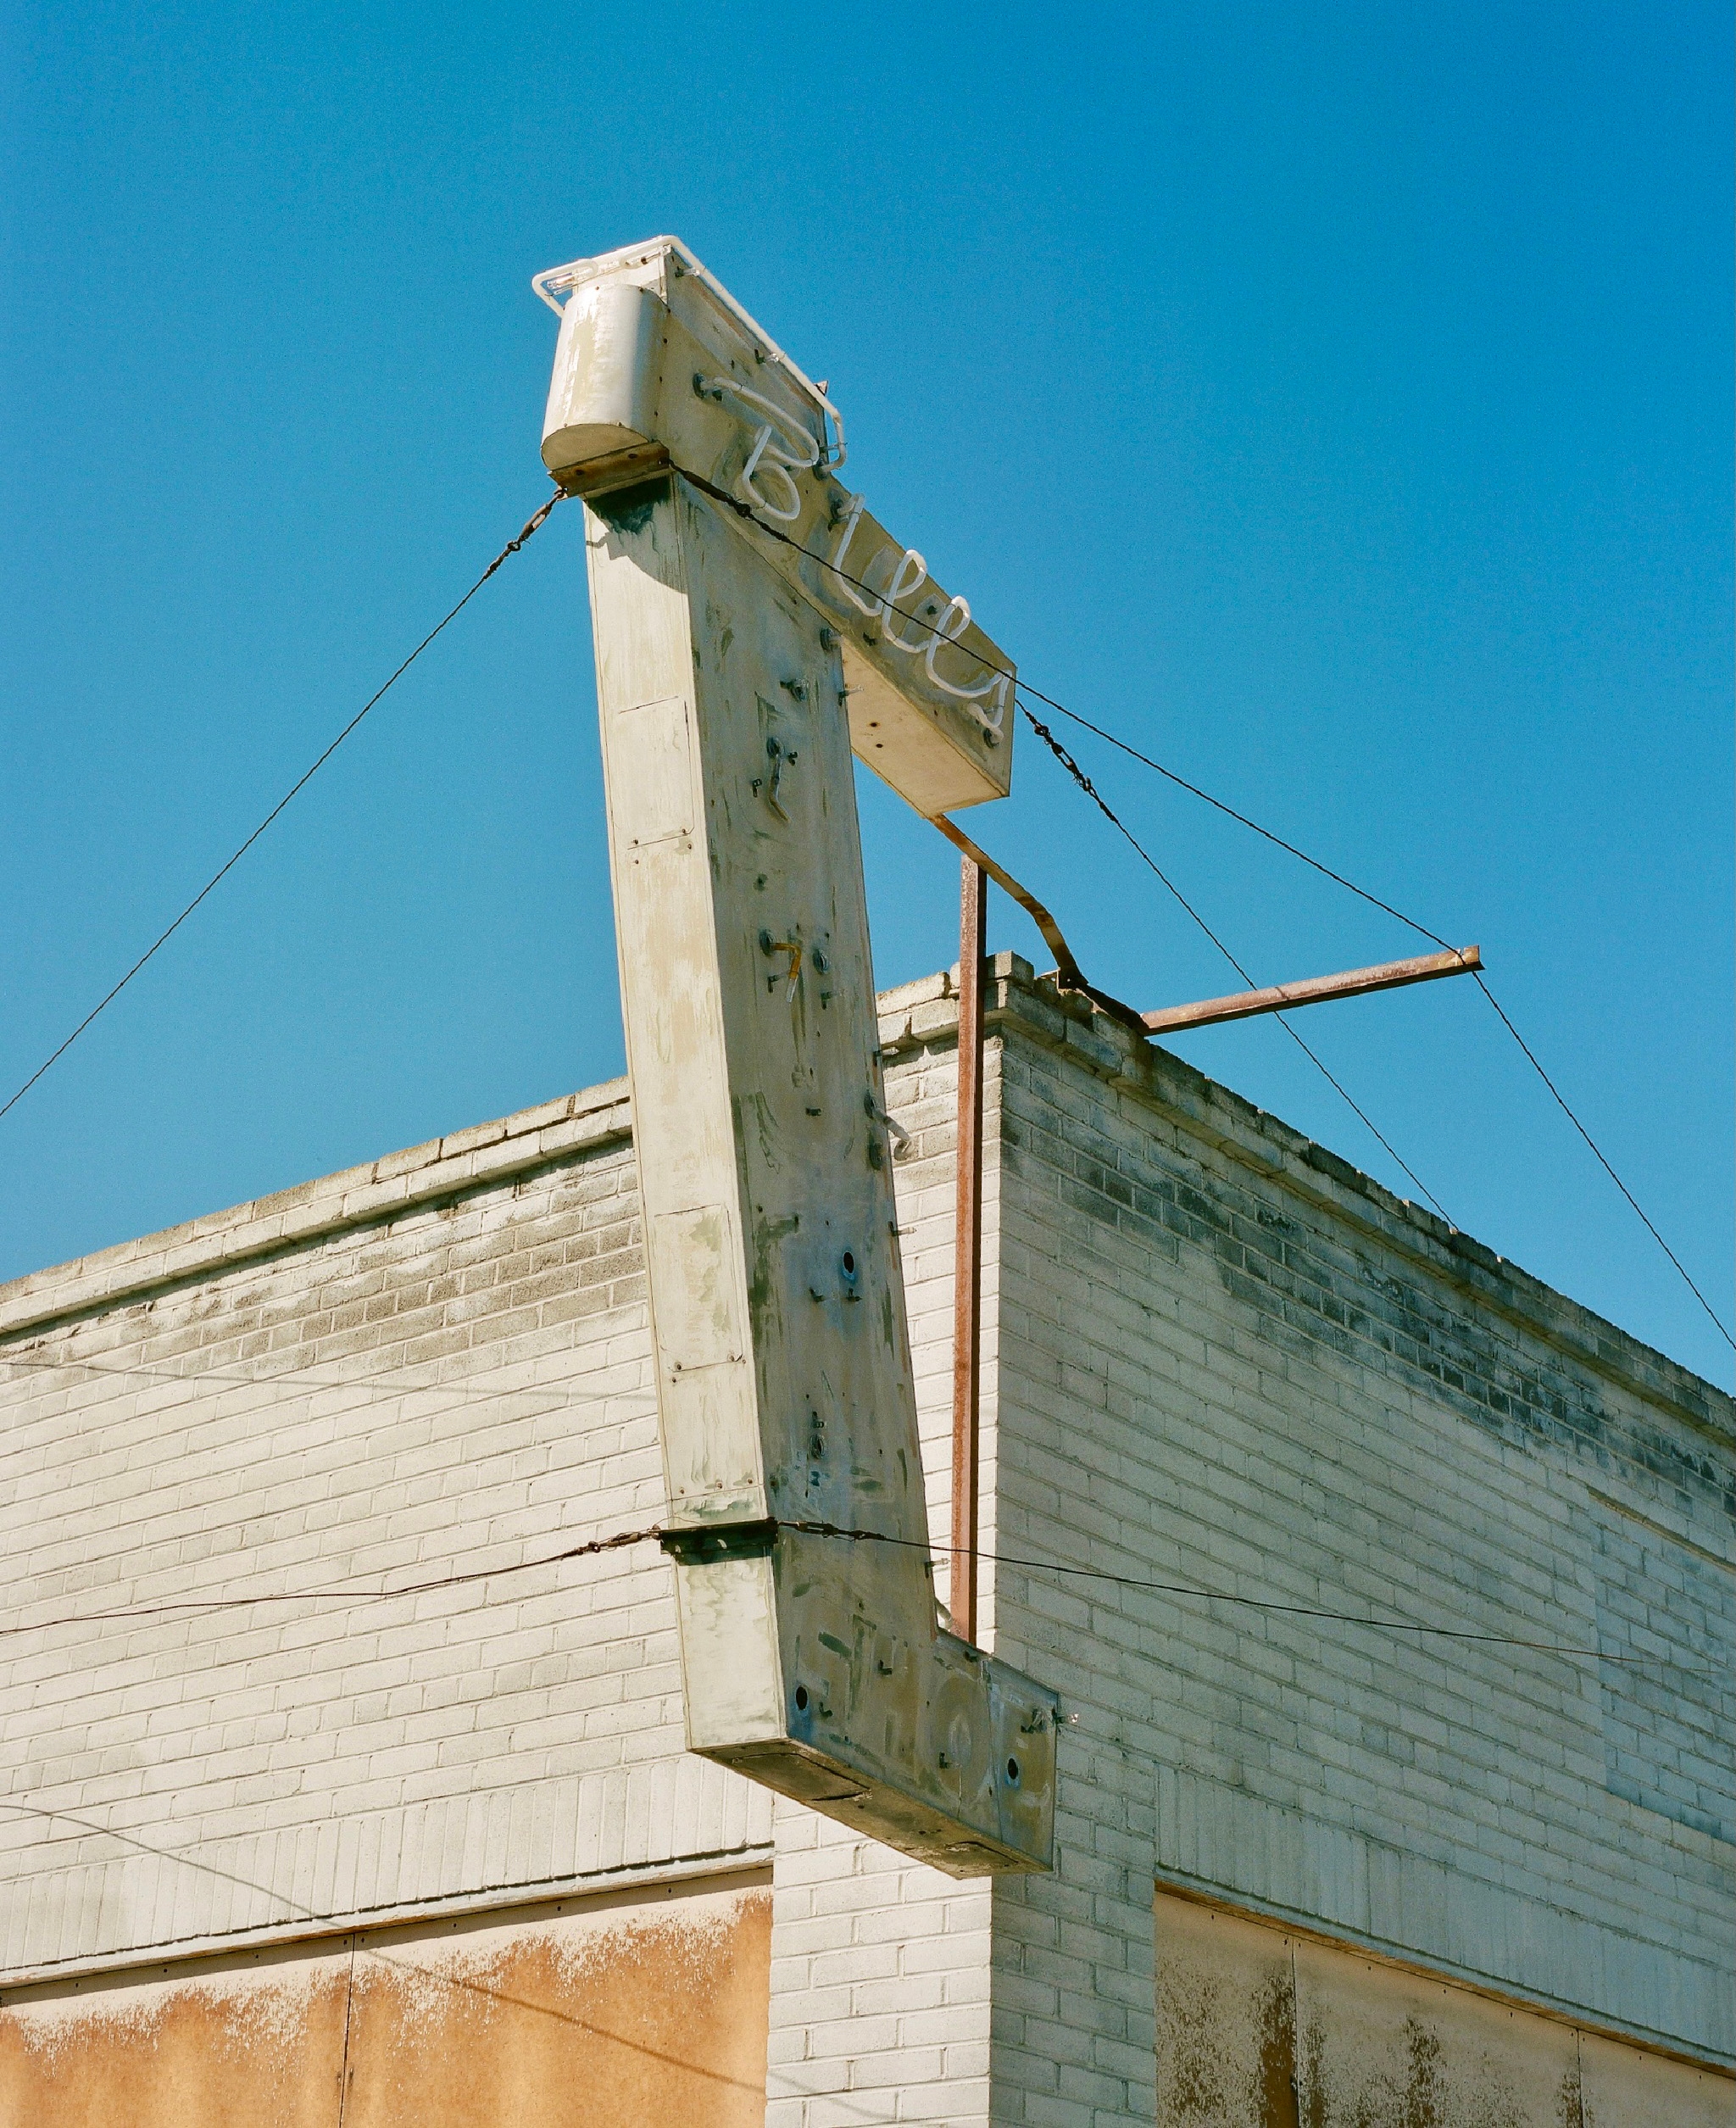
x,y
656,1532
102,1003
1024,688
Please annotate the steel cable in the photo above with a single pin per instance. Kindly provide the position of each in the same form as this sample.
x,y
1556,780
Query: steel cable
x,y
102,1003
1024,688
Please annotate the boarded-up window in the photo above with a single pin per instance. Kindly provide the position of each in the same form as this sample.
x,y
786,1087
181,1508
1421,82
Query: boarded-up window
x,y
1258,2029
611,2018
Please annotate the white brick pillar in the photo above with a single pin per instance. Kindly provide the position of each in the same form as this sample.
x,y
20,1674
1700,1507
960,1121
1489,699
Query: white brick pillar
x,y
880,1984
901,1996
897,1994
1074,1982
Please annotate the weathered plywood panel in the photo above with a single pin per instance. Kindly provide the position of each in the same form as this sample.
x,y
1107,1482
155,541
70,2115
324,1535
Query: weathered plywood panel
x,y
1226,2021
1380,2048
610,2021
654,2012
1627,2088
1259,2029
227,2050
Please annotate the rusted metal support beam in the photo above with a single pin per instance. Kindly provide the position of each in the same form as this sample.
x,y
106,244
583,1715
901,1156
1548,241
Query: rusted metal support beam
x,y
1282,997
1068,973
967,1248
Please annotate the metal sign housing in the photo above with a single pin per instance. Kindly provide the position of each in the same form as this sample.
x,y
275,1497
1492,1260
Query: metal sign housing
x,y
814,1662
656,365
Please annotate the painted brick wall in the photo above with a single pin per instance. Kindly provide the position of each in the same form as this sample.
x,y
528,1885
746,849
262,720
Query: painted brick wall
x,y
434,1365
1227,1361
1215,1357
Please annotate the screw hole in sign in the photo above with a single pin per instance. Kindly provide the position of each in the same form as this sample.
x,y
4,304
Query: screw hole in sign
x,y
801,1699
1013,1769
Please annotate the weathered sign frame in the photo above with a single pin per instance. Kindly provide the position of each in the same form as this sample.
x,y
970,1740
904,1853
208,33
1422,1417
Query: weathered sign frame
x,y
815,1662
658,366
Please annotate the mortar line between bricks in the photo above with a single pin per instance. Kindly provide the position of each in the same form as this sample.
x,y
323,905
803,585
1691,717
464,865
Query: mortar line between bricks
x,y
240,1253
1362,1203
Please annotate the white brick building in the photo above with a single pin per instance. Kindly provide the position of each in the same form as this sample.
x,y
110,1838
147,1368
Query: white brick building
x,y
439,1855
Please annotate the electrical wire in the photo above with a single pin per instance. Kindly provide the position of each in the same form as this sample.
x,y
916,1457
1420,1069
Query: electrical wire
x,y
419,1973
1414,923
1374,900
1561,1100
102,1005
373,1389
183,1607
1084,781
1252,1603
626,1540
453,1392
1116,821
1024,688
162,1854
656,1532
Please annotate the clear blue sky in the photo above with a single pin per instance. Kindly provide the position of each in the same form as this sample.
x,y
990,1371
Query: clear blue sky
x,y
1334,400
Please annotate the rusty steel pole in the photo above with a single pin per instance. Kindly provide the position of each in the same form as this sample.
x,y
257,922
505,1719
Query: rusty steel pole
x,y
967,1247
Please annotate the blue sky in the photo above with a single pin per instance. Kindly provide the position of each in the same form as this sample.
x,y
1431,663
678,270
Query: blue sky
x,y
1333,400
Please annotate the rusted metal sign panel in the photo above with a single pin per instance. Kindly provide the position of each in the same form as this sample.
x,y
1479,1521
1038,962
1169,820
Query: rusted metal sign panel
x,y
657,365
815,1663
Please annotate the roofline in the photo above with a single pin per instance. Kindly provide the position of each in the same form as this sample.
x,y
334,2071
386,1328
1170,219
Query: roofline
x,y
915,1015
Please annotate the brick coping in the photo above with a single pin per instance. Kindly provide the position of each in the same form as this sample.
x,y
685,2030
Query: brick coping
x,y
355,1196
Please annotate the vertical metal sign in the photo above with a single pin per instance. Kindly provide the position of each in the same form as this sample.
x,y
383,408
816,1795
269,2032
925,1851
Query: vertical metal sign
x,y
735,672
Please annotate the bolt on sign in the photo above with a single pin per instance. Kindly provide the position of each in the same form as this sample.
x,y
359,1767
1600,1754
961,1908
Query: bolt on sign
x,y
753,626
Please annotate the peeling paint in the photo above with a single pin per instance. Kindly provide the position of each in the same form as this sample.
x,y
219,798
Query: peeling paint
x,y
1257,2029
649,2014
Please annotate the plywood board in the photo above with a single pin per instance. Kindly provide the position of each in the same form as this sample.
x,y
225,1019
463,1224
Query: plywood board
x,y
1378,2047
654,2011
1225,2020
218,2050
1261,2028
1629,2087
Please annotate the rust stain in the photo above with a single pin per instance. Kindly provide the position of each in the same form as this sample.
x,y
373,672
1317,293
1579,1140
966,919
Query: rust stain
x,y
1277,2054
1310,2075
1258,2029
1384,2049
646,2015
1226,2024
1425,2080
